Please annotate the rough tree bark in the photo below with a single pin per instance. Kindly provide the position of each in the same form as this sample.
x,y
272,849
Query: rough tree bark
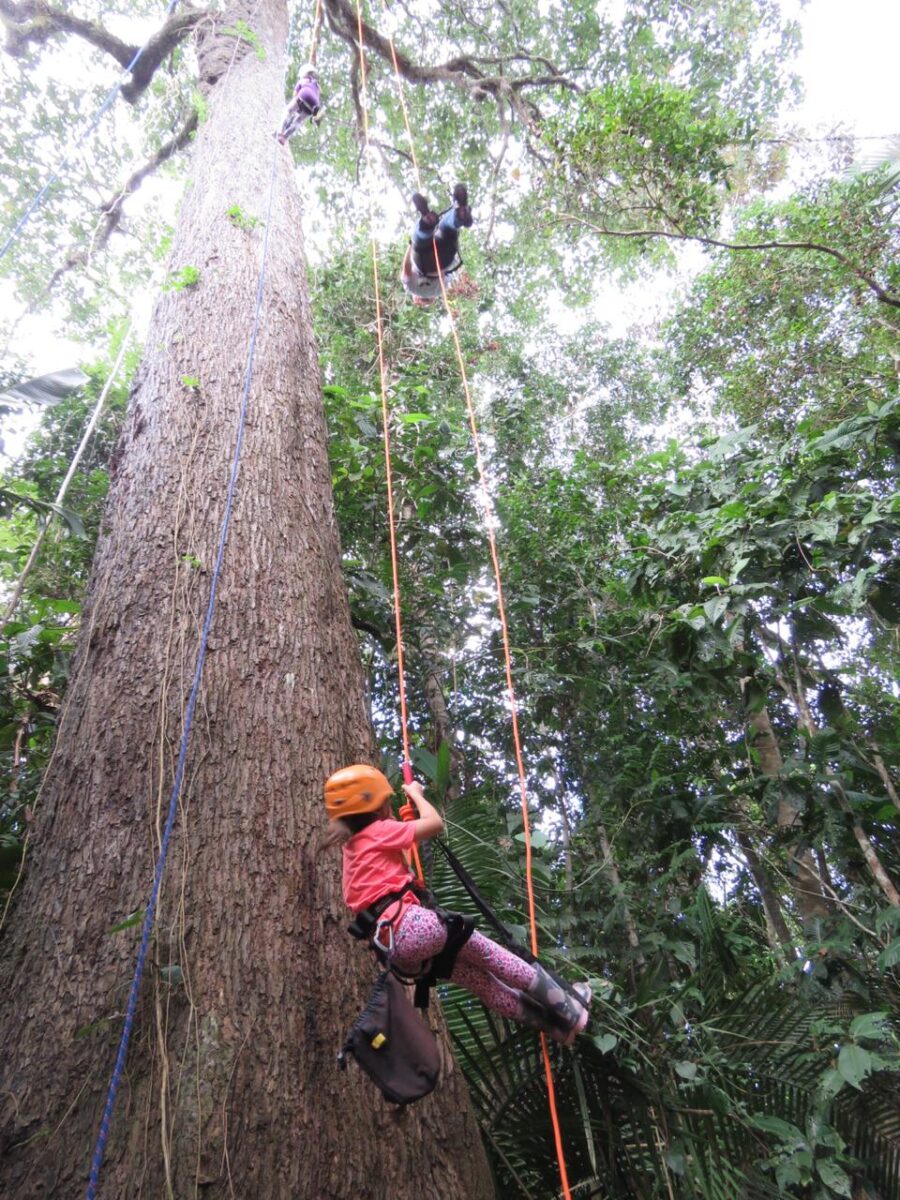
x,y
777,932
807,725
231,1086
806,887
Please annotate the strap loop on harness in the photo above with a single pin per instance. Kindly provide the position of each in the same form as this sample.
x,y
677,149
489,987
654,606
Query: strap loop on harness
x,y
368,926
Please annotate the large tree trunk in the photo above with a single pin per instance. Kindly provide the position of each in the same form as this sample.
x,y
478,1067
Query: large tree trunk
x,y
231,1087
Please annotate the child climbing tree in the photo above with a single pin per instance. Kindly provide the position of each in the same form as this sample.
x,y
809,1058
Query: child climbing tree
x,y
231,1084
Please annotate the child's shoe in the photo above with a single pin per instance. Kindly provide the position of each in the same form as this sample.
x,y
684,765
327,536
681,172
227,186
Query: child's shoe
x,y
534,1016
429,218
461,204
567,1011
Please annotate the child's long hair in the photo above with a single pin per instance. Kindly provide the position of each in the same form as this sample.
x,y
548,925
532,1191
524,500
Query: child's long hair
x,y
342,829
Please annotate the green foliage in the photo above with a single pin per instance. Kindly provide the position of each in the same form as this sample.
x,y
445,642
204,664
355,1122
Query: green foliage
x,y
242,31
652,150
128,922
241,220
11,499
38,643
200,105
781,336
698,526
184,277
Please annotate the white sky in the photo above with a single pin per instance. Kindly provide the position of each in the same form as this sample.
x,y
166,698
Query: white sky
x,y
849,64
849,67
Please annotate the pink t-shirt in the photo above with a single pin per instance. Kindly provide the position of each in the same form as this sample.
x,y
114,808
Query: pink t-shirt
x,y
374,863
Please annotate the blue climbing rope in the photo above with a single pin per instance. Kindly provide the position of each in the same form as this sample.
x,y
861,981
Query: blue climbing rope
x,y
82,137
150,913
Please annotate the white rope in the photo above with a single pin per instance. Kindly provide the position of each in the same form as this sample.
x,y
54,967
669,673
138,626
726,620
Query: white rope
x,y
64,486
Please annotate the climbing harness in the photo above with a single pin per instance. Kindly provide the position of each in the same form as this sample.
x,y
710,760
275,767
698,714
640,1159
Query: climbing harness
x,y
452,267
82,137
488,518
373,927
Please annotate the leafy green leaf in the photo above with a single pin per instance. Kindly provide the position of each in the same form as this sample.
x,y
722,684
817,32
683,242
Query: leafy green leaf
x,y
870,1025
132,919
780,1128
834,1176
854,1064
830,1084
889,956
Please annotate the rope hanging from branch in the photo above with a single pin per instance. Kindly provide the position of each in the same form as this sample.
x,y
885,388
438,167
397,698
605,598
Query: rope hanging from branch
x,y
386,434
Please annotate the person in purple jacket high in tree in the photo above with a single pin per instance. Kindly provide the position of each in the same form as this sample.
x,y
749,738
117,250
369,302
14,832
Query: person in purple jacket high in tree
x,y
305,104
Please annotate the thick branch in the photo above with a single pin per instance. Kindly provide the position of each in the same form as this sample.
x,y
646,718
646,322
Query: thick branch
x,y
808,727
811,904
885,777
34,22
776,927
464,70
384,640
884,296
869,853
158,49
112,209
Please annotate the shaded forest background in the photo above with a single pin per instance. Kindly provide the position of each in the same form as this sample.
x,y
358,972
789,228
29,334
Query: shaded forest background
x,y
698,525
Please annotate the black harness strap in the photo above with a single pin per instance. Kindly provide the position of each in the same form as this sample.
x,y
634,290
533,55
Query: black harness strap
x,y
365,923
459,929
482,905
455,263
489,915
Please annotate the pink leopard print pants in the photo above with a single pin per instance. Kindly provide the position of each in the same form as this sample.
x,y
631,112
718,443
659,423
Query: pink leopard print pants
x,y
493,974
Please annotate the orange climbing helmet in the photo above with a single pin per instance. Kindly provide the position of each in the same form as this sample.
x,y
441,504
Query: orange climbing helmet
x,y
356,789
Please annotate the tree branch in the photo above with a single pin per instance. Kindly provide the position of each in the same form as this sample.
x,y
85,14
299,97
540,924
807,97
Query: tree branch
x,y
464,70
384,640
34,22
884,296
111,210
158,49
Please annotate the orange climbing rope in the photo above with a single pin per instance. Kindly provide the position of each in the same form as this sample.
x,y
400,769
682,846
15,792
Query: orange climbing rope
x,y
389,479
489,516
317,25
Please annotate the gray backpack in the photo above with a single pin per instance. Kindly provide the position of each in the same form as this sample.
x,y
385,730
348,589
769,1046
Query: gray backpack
x,y
393,1044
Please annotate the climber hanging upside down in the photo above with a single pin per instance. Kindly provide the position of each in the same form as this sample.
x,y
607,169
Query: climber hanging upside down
x,y
435,244
305,104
